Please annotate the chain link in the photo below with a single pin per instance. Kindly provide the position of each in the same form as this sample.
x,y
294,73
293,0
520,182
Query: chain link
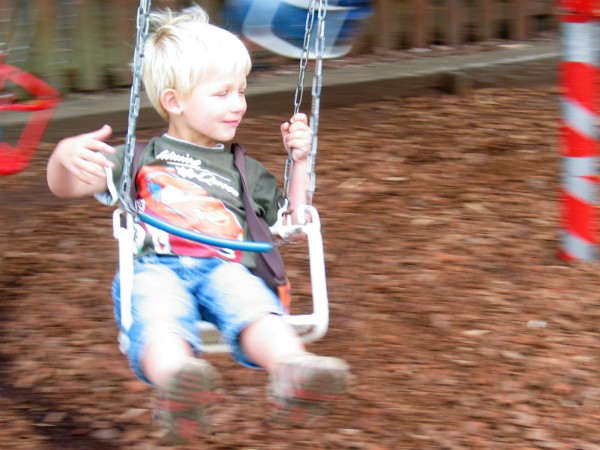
x,y
316,95
134,106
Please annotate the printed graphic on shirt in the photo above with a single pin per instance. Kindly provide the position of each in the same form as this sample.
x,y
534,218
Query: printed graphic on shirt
x,y
168,196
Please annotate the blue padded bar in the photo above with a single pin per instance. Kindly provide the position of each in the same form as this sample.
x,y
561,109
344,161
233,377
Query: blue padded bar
x,y
247,246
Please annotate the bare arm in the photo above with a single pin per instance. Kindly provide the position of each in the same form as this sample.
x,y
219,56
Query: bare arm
x,y
298,137
76,168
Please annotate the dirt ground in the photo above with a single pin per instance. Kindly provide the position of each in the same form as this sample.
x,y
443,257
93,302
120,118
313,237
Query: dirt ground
x,y
441,225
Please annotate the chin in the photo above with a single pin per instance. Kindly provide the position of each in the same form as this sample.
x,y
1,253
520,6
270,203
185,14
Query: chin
x,y
226,138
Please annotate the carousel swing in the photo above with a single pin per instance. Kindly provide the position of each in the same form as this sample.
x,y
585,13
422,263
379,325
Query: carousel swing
x,y
310,326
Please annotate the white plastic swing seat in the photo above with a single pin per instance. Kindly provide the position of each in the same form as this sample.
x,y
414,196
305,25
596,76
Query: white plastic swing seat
x,y
310,327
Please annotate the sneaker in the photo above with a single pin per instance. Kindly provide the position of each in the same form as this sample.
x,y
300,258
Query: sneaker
x,y
185,403
305,385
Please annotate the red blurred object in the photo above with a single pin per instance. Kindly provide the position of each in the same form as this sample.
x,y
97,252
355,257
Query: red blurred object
x,y
586,7
46,98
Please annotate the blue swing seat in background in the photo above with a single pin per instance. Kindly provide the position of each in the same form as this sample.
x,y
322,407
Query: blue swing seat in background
x,y
279,26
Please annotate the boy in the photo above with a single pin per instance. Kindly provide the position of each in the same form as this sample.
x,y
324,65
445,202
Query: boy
x,y
195,77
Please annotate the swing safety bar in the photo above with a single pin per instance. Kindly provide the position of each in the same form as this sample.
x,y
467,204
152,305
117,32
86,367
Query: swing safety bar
x,y
248,246
310,327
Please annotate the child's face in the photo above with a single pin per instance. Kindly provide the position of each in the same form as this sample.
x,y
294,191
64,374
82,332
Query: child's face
x,y
214,110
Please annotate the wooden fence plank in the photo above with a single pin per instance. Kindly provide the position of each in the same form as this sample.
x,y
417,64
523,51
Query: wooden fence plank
x,y
120,39
384,25
518,22
87,40
485,24
6,24
421,21
455,22
42,52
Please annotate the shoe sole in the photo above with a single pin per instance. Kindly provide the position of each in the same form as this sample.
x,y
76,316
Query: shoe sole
x,y
187,400
313,392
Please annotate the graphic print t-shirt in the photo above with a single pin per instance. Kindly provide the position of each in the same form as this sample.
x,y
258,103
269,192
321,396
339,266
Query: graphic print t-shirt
x,y
197,189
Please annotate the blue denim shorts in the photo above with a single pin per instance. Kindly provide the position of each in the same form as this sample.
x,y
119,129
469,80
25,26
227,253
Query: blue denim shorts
x,y
171,294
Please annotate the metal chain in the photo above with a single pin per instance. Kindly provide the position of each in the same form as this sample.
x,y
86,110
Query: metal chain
x,y
316,94
134,106
316,101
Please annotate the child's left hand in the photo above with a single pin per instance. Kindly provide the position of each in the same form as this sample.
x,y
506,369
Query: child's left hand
x,y
297,136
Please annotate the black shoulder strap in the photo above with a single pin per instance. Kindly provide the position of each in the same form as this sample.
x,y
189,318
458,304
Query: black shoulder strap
x,y
258,228
135,166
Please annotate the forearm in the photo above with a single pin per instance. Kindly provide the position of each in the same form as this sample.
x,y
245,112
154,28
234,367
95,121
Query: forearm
x,y
297,139
297,195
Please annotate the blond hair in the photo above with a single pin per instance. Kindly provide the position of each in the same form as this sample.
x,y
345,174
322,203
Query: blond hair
x,y
183,48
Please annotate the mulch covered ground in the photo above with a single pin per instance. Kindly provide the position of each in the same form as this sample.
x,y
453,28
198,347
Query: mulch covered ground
x,y
441,227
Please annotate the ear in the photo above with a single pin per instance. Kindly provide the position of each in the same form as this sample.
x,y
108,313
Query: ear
x,y
169,99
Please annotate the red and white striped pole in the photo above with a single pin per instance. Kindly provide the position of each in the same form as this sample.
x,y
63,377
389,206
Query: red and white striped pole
x,y
579,78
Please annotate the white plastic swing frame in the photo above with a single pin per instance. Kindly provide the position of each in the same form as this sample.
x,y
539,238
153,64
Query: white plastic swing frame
x,y
310,327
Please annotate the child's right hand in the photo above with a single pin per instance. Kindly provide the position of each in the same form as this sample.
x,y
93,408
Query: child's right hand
x,y
83,157
77,167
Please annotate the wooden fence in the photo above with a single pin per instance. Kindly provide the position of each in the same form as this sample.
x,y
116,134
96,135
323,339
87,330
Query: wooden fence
x,y
86,45
422,23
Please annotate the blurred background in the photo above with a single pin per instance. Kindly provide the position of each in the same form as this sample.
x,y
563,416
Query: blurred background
x,y
77,45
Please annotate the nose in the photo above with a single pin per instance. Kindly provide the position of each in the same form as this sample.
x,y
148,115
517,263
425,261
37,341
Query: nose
x,y
238,103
